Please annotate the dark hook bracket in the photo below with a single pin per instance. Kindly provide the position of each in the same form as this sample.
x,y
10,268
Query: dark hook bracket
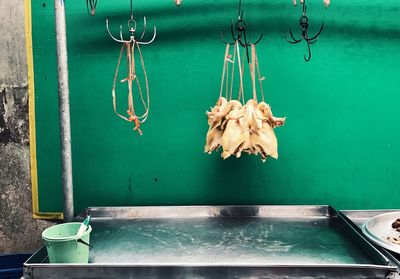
x,y
240,36
304,33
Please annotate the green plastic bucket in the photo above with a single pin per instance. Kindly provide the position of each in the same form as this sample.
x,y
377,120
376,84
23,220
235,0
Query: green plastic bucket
x,y
62,245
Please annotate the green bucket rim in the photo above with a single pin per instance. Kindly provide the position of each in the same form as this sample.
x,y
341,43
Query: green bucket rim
x,y
63,239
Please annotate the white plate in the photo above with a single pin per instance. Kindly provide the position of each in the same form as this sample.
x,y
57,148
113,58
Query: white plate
x,y
378,228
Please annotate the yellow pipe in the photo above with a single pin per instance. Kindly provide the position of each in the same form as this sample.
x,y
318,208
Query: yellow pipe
x,y
32,126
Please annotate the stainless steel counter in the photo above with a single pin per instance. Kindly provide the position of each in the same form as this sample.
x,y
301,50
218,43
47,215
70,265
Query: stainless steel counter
x,y
221,242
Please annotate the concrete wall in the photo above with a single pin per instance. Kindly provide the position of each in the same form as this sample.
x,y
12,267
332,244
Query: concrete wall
x,y
19,232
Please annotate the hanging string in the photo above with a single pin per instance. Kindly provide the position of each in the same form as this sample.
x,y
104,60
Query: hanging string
x,y
243,64
241,70
233,70
252,72
260,78
224,69
228,60
130,56
115,82
129,79
146,105
131,76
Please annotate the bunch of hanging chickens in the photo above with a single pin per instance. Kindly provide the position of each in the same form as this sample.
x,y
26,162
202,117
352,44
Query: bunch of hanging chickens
x,y
238,125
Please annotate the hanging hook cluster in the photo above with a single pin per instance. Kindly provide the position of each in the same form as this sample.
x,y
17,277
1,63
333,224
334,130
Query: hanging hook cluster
x,y
132,30
240,36
304,33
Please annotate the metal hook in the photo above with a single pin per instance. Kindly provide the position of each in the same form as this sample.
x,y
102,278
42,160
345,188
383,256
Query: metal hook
x,y
315,38
132,30
240,36
309,53
295,41
304,33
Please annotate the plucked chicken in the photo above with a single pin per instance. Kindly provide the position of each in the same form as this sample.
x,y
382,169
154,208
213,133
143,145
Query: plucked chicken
x,y
239,127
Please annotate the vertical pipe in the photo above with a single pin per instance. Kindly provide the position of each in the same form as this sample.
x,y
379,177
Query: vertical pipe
x,y
63,100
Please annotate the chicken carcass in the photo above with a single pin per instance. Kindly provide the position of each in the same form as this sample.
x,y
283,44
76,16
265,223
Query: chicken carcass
x,y
264,139
234,135
250,124
238,128
217,113
215,119
264,111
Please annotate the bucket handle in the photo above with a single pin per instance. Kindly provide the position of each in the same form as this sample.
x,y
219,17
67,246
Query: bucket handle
x,y
85,243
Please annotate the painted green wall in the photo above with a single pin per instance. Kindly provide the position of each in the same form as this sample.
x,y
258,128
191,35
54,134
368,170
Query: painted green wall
x,y
340,146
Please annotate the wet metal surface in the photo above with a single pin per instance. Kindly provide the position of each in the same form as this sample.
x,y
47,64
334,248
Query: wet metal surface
x,y
223,241
220,242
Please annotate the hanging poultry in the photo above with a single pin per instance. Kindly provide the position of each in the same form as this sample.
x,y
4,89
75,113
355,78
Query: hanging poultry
x,y
237,126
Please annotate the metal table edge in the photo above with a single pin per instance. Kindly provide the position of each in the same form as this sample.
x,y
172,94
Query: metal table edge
x,y
256,265
206,211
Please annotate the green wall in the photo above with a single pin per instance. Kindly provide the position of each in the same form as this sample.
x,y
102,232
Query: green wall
x,y
340,145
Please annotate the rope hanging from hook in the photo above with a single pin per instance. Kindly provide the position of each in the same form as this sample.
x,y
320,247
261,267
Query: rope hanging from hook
x,y
132,78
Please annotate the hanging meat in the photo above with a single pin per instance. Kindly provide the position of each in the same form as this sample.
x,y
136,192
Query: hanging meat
x,y
215,117
237,126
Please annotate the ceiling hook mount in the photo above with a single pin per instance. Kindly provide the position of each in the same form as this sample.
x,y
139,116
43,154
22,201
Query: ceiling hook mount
x,y
132,30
